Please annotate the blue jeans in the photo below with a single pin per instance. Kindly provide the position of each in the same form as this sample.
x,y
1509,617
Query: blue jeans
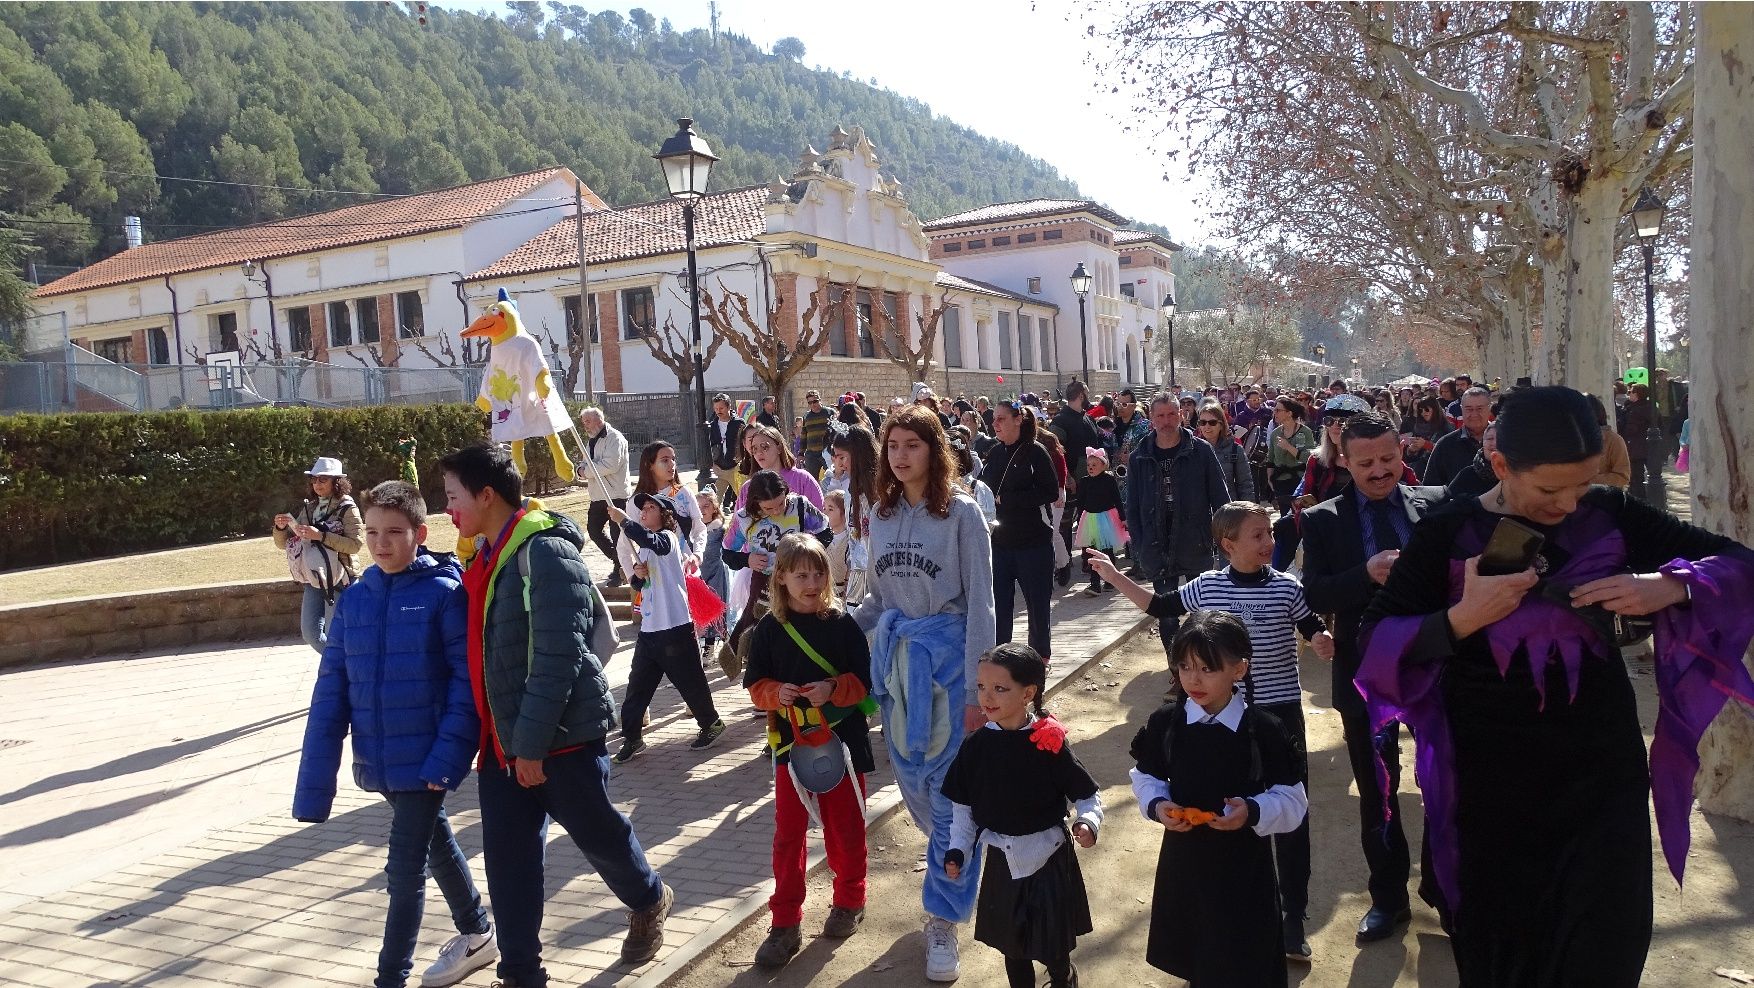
x,y
514,834
420,838
1032,568
313,619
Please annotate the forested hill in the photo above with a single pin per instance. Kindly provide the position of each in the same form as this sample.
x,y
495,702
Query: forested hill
x,y
96,98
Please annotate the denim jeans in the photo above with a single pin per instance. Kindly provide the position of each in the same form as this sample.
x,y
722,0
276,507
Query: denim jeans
x,y
514,829
421,839
314,617
1031,567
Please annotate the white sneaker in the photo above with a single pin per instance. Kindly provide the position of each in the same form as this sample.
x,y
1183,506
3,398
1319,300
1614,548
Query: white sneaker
x,y
943,961
461,955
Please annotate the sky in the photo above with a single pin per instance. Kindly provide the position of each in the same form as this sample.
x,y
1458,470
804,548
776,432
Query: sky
x,y
1014,70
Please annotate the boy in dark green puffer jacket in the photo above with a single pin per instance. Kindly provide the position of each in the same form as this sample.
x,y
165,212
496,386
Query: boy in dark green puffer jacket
x,y
545,712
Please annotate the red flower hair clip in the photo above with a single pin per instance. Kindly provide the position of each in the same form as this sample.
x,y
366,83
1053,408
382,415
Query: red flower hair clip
x,y
1048,734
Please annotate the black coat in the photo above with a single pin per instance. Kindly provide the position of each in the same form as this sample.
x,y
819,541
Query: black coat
x,y
1334,578
1077,433
1450,456
724,452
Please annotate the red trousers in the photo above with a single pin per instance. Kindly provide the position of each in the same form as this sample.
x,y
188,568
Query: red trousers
x,y
843,834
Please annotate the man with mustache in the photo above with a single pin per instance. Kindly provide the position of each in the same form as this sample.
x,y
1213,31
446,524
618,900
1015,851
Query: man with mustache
x,y
1350,544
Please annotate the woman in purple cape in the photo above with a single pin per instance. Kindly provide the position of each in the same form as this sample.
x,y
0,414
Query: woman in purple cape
x,y
1530,753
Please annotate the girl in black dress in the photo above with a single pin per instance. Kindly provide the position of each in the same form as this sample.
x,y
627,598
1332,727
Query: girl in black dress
x,y
1221,776
1032,905
1531,757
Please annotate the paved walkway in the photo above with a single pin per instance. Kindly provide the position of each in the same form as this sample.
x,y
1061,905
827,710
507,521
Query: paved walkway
x,y
144,835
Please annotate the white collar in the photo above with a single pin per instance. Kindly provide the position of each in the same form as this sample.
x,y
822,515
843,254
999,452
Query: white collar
x,y
1230,716
1025,727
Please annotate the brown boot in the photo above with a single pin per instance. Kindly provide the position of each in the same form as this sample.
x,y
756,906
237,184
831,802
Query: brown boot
x,y
645,930
782,944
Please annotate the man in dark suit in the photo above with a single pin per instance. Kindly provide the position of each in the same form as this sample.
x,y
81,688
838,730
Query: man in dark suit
x,y
724,436
1349,544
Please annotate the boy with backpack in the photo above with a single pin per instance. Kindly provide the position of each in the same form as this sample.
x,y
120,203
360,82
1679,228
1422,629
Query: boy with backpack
x,y
394,672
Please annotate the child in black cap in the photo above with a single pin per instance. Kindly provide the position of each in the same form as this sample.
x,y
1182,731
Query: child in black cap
x,y
666,645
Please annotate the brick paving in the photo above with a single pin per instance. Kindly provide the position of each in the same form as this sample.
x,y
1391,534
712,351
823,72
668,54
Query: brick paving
x,y
144,835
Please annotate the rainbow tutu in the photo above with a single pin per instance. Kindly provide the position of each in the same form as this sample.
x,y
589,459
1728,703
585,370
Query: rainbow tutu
x,y
1101,530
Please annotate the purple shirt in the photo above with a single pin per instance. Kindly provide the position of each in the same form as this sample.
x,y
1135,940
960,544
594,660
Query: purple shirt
x,y
798,480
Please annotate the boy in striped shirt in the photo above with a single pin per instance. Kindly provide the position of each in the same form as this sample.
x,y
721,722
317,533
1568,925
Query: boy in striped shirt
x,y
1271,604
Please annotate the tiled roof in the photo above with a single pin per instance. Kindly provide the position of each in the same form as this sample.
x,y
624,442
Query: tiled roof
x,y
1131,238
643,230
947,280
383,219
1027,209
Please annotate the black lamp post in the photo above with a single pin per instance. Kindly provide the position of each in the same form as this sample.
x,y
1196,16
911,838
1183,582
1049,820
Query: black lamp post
x,y
688,162
1144,357
1081,287
1169,327
1647,222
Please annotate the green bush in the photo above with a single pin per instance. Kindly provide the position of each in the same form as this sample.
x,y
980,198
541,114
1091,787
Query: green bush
x,y
86,485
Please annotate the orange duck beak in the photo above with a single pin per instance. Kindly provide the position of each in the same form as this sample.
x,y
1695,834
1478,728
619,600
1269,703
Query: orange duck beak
x,y
491,325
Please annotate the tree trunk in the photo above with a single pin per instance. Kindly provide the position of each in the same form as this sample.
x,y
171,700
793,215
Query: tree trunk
x,y
1577,268
1721,311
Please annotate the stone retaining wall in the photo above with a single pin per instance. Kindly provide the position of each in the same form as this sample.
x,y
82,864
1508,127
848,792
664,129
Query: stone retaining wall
x,y
117,625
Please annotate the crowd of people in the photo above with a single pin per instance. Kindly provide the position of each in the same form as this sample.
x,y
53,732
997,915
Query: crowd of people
x,y
868,568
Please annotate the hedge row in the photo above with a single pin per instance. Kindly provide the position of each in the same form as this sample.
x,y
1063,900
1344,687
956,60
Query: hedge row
x,y
86,485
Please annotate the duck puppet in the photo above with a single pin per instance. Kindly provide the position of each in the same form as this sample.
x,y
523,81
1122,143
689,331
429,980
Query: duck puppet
x,y
516,392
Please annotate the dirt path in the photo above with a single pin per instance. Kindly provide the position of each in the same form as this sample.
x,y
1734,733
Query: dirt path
x,y
1702,930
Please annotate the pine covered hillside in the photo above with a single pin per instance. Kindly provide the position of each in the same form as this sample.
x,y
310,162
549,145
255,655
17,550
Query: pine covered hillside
x,y
95,98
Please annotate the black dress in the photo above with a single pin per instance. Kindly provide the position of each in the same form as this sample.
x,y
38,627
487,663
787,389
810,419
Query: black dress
x,y
1014,787
1551,845
1215,907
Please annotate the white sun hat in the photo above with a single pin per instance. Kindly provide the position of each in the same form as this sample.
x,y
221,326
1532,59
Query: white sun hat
x,y
326,466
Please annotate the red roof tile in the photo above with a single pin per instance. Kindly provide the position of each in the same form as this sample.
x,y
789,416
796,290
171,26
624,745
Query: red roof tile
x,y
1026,209
646,229
384,219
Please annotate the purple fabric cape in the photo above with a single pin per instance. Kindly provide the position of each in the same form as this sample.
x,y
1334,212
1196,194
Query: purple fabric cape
x,y
1699,666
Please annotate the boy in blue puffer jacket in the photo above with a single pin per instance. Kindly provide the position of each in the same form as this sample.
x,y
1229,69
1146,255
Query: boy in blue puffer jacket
x,y
395,670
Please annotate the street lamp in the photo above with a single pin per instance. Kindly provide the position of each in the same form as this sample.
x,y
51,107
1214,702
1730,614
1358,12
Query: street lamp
x,y
1145,360
1647,222
688,163
1081,287
1319,352
1169,325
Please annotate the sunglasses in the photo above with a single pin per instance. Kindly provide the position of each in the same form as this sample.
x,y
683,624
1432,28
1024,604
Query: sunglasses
x,y
1334,419
1210,422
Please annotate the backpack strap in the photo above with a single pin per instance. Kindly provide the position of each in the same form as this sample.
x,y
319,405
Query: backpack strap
x,y
866,706
521,560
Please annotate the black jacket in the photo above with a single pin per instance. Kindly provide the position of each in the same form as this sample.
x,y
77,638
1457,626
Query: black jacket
x,y
1452,454
1021,492
1078,433
724,452
1335,580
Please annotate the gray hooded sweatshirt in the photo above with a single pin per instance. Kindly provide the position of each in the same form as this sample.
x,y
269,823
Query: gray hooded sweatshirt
x,y
925,565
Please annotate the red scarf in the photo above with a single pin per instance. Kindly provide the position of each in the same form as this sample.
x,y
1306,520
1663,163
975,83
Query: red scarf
x,y
475,581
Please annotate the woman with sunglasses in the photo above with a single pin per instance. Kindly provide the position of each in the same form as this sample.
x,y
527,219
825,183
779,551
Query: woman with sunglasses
x,y
1025,486
1428,426
1213,425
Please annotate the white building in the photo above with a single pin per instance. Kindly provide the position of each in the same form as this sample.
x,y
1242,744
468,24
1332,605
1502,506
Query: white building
x,y
1032,248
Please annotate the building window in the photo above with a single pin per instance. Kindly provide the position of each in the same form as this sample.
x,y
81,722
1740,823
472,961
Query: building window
x,y
367,311
1026,238
1126,259
158,347
1001,241
637,310
952,324
976,244
410,316
298,329
983,345
1005,341
1127,291
571,305
340,325
1035,286
1025,352
1044,343
952,248
1051,234
222,330
892,334
119,351
862,310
